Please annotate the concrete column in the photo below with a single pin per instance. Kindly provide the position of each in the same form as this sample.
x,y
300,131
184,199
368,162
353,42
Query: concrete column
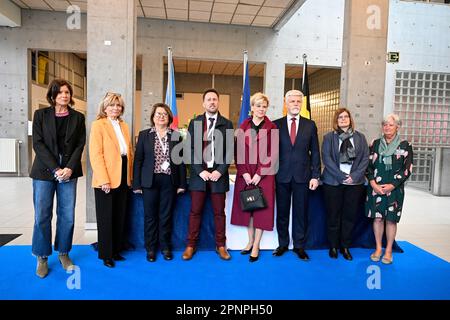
x,y
274,86
364,62
111,65
152,85
15,99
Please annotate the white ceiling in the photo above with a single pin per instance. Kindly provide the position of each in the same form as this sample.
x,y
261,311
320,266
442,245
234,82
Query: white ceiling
x,y
260,13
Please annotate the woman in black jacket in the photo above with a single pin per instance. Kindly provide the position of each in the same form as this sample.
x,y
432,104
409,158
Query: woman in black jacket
x,y
159,178
59,135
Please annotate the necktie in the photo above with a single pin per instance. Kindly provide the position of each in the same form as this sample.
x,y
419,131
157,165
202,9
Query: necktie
x,y
293,130
211,124
209,141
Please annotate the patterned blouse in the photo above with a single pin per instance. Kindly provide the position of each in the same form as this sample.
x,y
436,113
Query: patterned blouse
x,y
160,155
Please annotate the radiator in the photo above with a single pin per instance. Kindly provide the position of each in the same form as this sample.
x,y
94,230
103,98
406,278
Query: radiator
x,y
8,155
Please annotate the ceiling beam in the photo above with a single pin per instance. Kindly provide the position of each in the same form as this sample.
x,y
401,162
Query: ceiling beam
x,y
288,14
9,14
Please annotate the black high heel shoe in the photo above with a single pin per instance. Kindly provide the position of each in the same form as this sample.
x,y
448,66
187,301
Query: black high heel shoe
x,y
118,257
254,258
243,251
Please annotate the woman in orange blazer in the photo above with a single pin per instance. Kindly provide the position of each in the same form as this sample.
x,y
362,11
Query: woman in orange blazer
x,y
111,157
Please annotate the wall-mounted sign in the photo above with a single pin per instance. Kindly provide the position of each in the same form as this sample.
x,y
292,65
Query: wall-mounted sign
x,y
393,57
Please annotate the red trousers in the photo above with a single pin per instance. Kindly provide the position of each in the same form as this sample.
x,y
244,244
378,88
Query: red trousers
x,y
195,217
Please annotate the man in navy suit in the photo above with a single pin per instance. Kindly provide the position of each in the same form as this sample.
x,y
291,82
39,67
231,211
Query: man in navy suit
x,y
299,172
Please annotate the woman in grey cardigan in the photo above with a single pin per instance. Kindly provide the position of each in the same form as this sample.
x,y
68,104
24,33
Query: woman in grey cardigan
x,y
345,156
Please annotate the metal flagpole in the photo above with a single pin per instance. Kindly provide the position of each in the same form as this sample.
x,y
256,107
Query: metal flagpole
x,y
169,70
245,63
304,69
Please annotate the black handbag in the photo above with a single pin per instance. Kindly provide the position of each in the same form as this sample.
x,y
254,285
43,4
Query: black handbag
x,y
252,199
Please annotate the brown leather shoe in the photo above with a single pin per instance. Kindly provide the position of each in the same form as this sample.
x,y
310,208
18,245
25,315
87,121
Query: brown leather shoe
x,y
188,253
223,253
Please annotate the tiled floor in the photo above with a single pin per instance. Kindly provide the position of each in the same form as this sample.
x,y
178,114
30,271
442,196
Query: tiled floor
x,y
17,214
425,221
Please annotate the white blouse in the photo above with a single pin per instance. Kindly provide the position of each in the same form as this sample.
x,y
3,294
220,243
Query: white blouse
x,y
122,144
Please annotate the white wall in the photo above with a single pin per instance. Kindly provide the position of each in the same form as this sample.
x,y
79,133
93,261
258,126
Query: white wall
x,y
421,33
315,29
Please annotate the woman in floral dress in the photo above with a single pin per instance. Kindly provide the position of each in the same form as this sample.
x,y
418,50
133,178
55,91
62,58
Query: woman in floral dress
x,y
389,167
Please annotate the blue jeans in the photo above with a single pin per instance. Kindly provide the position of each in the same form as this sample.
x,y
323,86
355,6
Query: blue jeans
x,y
43,194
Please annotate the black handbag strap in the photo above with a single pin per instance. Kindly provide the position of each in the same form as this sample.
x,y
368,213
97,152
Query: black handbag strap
x,y
250,185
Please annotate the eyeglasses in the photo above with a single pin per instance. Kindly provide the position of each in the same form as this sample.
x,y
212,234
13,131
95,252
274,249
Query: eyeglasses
x,y
161,115
344,117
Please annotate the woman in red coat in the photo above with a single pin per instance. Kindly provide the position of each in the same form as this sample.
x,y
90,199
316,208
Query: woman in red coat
x,y
255,162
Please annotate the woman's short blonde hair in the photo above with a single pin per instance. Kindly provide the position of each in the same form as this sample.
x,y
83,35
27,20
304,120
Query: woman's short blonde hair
x,y
258,96
109,99
394,117
336,116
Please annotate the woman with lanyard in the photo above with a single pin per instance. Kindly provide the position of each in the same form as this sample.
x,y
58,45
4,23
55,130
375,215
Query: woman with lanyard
x,y
345,156
111,156
159,178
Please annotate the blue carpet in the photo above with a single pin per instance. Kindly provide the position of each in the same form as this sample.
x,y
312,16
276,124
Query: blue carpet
x,y
415,274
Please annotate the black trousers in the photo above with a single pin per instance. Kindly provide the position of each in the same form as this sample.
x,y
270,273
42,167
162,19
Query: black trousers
x,y
111,211
342,203
158,207
299,193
